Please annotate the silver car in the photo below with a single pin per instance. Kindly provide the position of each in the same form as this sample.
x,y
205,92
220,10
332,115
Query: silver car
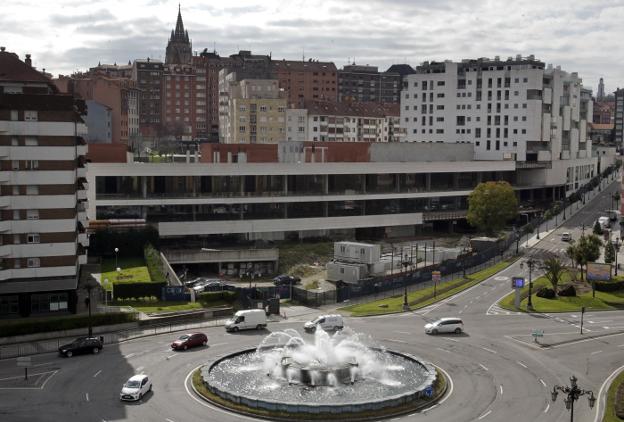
x,y
135,388
445,325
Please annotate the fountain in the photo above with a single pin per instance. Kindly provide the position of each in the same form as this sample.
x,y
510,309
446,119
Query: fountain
x,y
286,377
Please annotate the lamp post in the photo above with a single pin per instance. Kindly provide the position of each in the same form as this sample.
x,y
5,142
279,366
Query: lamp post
x,y
530,263
116,260
406,264
616,246
564,208
90,284
573,393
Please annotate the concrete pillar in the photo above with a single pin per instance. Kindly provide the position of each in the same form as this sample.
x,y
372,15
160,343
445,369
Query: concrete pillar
x,y
397,182
363,183
144,186
428,182
455,181
285,185
326,184
188,156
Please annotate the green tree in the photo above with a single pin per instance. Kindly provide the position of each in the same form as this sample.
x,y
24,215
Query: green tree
x,y
609,253
597,228
587,250
491,205
554,270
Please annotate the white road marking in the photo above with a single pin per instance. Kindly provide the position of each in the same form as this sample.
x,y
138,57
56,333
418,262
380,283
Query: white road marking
x,y
444,350
395,340
428,409
489,350
87,396
128,356
402,332
543,383
521,364
485,414
97,373
596,352
501,389
547,407
461,312
140,369
483,366
601,398
606,328
172,356
223,344
169,420
452,339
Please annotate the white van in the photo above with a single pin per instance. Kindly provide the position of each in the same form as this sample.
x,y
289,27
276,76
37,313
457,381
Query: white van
x,y
604,222
326,322
247,320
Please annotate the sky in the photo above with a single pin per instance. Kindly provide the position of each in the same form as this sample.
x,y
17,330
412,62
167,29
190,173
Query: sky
x,y
581,36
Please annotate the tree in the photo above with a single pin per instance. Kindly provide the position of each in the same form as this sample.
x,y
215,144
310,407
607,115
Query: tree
x,y
553,270
491,205
587,249
609,253
597,228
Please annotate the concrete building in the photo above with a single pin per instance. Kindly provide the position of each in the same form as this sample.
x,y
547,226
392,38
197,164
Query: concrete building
x,y
148,76
352,122
516,109
604,112
43,192
296,124
306,80
179,96
358,83
99,123
601,91
601,133
112,70
618,136
251,110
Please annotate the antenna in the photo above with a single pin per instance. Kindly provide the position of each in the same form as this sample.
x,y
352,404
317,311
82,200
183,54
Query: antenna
x,y
303,56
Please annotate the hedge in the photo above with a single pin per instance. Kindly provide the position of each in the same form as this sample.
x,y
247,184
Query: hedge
x,y
137,290
154,263
609,286
207,298
61,324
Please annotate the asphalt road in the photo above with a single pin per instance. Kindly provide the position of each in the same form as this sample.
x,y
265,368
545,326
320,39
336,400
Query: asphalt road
x,y
495,376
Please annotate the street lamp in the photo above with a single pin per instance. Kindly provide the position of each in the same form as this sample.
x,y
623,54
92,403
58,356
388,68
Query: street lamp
x,y
89,285
564,208
572,394
116,260
616,246
530,263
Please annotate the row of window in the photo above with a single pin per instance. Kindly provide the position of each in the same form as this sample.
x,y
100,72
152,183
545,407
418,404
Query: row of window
x,y
29,115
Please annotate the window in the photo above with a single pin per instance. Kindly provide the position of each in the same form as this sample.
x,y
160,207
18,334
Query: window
x,y
15,190
15,165
17,263
32,214
242,129
32,190
440,83
16,215
14,115
14,142
30,116
263,108
524,105
524,131
32,164
33,238
33,262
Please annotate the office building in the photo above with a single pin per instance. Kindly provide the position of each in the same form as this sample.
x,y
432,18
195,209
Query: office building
x,y
358,83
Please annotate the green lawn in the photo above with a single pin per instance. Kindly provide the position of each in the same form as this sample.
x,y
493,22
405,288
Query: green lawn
x,y
610,415
132,270
302,253
158,306
424,297
603,301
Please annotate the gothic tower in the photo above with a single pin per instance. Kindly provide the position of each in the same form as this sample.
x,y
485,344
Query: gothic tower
x,y
179,46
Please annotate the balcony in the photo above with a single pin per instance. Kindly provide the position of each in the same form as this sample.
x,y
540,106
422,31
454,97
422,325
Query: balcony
x,y
5,177
82,150
81,173
83,239
5,201
82,259
5,250
81,195
5,225
82,218
4,151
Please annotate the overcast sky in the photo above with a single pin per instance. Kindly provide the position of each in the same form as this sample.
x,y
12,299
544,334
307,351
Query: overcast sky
x,y
580,35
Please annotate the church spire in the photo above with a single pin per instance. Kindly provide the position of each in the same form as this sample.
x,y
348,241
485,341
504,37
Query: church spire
x,y
179,29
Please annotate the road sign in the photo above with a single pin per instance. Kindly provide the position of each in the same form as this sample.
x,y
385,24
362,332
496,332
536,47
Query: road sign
x,y
428,392
537,333
24,362
436,276
517,282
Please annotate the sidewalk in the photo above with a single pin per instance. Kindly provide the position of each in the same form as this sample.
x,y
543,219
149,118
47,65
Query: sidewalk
x,y
558,339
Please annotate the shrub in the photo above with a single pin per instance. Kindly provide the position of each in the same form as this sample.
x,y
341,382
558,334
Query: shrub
x,y
68,323
137,291
546,293
154,263
609,286
568,290
208,298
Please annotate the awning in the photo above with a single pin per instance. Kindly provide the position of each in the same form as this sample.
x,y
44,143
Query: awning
x,y
36,286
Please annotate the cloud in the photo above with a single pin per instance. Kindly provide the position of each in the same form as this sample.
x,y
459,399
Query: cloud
x,y
101,15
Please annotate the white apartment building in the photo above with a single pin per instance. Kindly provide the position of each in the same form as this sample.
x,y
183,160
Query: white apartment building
x,y
297,124
43,192
516,109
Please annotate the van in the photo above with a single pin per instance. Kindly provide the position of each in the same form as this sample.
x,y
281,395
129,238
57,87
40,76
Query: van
x,y
604,222
247,320
326,322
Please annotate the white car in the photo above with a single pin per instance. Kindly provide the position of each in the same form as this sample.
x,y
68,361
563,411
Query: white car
x,y
135,388
566,237
326,322
445,325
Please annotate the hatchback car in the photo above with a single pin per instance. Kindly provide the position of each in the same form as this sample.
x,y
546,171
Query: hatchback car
x,y
285,280
135,388
80,346
187,341
445,325
566,237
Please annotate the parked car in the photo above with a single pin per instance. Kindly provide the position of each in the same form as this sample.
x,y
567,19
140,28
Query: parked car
x,y
214,286
326,322
135,388
445,325
200,285
247,320
285,280
566,237
80,346
191,283
186,341
605,223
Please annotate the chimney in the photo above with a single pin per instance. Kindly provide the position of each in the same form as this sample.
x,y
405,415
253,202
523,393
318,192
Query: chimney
x,y
28,61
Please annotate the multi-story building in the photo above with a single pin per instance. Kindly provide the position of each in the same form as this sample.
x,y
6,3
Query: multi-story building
x,y
179,93
296,124
148,75
515,109
601,91
43,192
358,83
604,112
99,121
352,122
251,110
306,81
618,136
112,70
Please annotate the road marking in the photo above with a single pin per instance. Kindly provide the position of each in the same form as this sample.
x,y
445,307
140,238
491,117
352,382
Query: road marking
x,y
547,407
395,340
489,350
452,339
461,312
483,366
128,356
501,389
543,383
402,332
97,373
169,420
596,352
223,344
521,364
427,409
140,369
485,414
444,350
606,328
87,396
600,395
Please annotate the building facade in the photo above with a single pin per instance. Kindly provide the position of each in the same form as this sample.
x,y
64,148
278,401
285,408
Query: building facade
x,y
303,81
179,96
618,136
358,83
43,192
148,76
179,48
99,123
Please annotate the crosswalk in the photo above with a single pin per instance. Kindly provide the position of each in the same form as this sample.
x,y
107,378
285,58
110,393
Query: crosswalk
x,y
497,310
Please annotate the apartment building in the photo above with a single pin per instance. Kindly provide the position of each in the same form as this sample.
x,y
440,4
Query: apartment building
x,y
303,81
43,192
251,110
179,96
148,75
347,122
99,121
619,119
516,109
357,83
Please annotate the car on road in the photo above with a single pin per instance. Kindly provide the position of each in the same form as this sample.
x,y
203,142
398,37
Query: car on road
x,y
566,237
135,388
191,283
80,346
285,280
186,341
249,319
326,322
445,325
604,222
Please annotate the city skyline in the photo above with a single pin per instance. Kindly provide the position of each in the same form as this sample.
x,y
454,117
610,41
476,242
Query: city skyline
x,y
373,32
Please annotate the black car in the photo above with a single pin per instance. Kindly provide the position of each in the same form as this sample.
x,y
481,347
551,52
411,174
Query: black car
x,y
285,280
81,345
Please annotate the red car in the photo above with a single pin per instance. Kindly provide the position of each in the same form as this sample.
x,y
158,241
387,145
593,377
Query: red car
x,y
189,340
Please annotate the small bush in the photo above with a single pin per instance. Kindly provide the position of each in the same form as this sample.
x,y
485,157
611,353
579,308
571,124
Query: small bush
x,y
207,298
546,293
568,291
619,402
154,263
61,324
609,286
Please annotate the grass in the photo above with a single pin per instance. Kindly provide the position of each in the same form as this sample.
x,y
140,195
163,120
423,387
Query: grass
x,y
424,297
302,253
158,306
312,285
132,270
604,301
610,415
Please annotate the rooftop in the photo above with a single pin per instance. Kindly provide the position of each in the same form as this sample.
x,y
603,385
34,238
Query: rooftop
x,y
353,109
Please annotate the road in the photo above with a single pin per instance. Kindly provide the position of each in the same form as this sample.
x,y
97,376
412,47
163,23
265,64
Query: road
x,y
497,375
